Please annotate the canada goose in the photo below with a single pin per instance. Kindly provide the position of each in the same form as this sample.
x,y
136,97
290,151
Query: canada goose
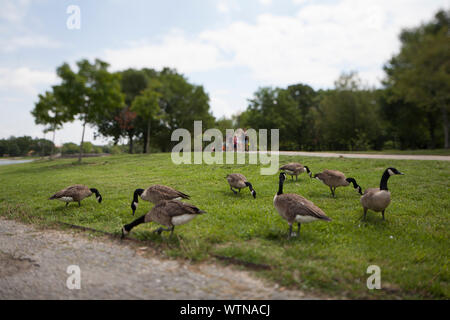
x,y
294,169
295,208
334,179
155,194
378,199
239,181
169,213
75,193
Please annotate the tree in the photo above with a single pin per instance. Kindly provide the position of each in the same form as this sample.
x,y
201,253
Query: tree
x,y
348,116
48,111
88,93
420,73
274,109
146,106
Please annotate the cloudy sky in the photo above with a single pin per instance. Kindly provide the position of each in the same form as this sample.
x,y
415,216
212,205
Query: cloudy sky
x,y
230,47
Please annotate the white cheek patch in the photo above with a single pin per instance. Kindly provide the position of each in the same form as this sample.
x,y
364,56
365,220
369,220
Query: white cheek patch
x,y
135,204
390,172
66,199
98,198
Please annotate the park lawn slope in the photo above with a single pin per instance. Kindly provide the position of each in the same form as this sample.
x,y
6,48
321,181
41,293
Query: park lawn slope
x,y
411,247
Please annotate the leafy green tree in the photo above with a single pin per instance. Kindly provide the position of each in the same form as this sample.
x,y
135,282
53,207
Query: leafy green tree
x,y
146,106
48,111
348,116
88,93
274,109
420,73
306,100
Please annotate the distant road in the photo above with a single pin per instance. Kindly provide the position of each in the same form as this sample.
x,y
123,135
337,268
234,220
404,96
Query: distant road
x,y
364,156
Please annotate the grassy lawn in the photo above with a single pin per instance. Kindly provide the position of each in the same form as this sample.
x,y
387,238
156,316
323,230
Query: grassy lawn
x,y
411,247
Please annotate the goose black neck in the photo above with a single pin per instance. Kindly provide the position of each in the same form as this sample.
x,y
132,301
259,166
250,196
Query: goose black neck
x,y
280,188
249,185
136,222
136,195
384,180
95,191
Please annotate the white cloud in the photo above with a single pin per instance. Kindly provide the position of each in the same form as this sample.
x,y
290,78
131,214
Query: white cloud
x,y
176,50
265,2
227,6
25,80
28,41
13,11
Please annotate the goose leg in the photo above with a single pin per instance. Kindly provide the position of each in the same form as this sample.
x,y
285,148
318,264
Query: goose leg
x,y
235,192
332,192
67,204
79,203
296,178
239,190
171,230
161,229
365,213
290,231
383,214
299,226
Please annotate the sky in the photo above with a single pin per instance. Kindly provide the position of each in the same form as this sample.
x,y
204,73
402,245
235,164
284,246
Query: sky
x,y
230,47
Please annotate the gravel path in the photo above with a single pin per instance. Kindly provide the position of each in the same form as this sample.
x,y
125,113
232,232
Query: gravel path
x,y
33,265
364,156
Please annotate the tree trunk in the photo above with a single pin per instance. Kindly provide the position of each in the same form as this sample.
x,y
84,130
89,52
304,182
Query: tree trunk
x,y
431,128
445,123
147,146
130,137
81,144
53,146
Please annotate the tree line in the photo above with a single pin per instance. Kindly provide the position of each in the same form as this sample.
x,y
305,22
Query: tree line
x,y
144,106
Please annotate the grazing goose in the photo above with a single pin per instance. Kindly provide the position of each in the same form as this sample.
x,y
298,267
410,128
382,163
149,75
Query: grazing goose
x,y
239,181
294,169
378,199
76,193
295,208
169,213
334,179
155,194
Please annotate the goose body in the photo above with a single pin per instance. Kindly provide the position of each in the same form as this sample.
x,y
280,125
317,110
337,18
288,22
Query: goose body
x,y
239,181
294,169
169,213
295,208
155,194
76,193
378,199
334,179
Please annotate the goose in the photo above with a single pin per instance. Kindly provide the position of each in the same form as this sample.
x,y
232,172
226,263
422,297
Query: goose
x,y
76,193
169,213
378,199
239,181
155,194
294,169
334,179
295,208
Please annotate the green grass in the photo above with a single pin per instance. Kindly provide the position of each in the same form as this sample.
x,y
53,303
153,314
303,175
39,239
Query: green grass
x,y
411,247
